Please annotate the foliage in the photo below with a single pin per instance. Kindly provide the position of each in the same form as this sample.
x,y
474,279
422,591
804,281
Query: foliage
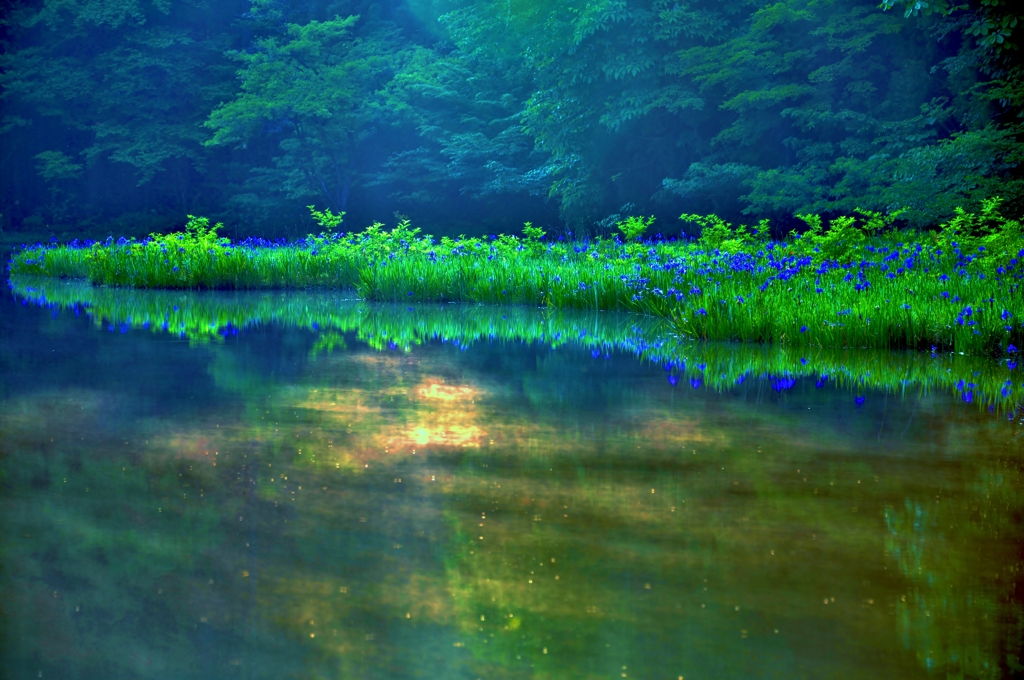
x,y
55,165
990,234
326,219
119,87
471,114
308,86
532,238
717,234
633,227
993,22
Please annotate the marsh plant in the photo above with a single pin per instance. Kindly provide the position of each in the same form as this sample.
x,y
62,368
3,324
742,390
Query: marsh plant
x,y
851,282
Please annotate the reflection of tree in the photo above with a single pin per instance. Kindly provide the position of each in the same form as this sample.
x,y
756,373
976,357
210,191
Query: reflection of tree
x,y
962,569
100,537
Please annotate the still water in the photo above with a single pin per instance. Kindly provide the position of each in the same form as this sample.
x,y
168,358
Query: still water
x,y
306,486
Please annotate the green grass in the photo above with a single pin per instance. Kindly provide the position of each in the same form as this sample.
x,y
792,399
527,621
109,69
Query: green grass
x,y
209,317
844,286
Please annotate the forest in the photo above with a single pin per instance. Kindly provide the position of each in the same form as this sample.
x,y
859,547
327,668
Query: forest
x,y
121,117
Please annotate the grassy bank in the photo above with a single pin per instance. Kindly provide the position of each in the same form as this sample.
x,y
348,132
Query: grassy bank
x,y
852,283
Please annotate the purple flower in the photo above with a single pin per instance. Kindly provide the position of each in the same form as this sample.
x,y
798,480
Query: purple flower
x,y
673,379
1011,364
702,312
803,360
695,382
803,329
1011,350
858,400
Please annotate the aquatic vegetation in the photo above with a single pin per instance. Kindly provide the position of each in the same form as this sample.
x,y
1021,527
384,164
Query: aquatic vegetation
x,y
212,316
844,286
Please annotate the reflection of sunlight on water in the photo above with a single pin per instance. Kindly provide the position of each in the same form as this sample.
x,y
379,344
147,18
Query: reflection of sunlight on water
x,y
447,433
449,419
395,420
447,392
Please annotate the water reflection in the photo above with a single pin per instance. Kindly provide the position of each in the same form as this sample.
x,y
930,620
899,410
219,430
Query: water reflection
x,y
211,317
272,504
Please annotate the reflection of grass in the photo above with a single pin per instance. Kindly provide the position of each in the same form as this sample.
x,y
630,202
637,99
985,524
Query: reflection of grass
x,y
211,316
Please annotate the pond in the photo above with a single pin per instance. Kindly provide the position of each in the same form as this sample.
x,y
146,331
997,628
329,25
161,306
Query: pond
x,y
251,485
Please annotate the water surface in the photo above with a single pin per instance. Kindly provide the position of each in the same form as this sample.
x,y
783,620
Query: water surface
x,y
300,485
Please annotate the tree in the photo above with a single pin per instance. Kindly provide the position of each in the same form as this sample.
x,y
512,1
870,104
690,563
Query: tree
x,y
311,91
121,89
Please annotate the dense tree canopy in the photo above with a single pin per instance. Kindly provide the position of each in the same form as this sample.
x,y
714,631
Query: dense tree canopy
x,y
472,115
